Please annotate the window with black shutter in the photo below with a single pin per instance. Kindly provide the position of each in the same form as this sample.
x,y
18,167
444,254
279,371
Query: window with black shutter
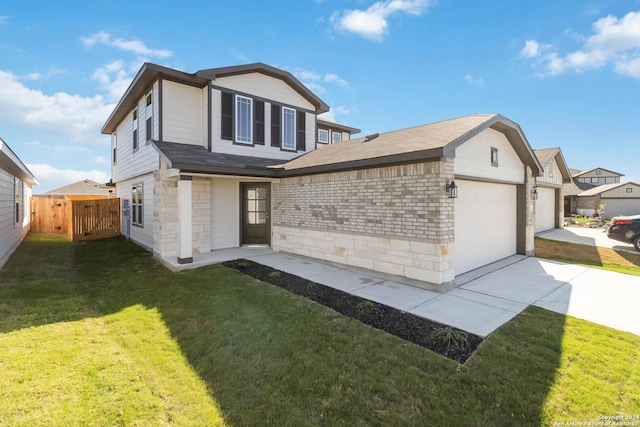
x,y
227,115
275,125
259,122
300,141
135,129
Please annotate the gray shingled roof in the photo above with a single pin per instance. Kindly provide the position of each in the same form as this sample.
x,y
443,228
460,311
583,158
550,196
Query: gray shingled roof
x,y
85,187
195,158
602,188
545,155
412,144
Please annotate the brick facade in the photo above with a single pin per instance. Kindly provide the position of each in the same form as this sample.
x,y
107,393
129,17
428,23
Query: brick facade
x,y
396,219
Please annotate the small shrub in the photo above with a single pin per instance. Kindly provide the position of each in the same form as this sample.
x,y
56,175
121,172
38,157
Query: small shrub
x,y
367,307
243,264
451,337
312,286
275,274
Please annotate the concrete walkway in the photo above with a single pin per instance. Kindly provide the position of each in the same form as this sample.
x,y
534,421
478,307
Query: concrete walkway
x,y
488,300
586,236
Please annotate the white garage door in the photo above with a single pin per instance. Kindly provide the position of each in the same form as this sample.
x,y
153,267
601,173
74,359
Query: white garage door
x,y
615,207
485,224
545,209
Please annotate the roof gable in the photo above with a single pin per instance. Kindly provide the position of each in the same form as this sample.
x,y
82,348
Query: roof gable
x,y
413,144
547,155
85,187
600,189
585,172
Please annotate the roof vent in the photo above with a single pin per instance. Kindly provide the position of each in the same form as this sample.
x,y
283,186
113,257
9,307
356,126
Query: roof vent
x,y
371,137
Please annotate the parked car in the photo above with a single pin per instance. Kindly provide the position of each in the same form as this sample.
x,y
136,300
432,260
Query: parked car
x,y
626,229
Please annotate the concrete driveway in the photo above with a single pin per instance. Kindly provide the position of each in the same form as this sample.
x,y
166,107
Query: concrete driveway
x,y
487,300
586,236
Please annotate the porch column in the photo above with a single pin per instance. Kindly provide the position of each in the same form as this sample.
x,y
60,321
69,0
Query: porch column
x,y
185,250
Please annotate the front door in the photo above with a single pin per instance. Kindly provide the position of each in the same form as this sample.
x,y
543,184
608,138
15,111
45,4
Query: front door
x,y
256,210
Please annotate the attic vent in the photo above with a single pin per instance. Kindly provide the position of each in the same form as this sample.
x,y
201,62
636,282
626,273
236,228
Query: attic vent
x,y
371,137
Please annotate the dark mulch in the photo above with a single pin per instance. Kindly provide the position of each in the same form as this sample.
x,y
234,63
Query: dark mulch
x,y
407,326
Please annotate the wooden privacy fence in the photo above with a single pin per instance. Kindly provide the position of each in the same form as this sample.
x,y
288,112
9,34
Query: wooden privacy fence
x,y
87,219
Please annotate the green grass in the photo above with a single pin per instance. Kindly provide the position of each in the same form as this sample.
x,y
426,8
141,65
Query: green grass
x,y
97,333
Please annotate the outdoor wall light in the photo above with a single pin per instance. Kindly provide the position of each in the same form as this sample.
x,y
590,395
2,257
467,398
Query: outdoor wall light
x,y
452,190
534,193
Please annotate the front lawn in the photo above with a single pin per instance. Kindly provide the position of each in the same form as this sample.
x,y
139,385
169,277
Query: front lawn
x,y
98,333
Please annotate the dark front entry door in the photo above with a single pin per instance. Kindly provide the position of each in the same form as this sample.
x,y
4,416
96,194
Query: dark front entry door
x,y
256,209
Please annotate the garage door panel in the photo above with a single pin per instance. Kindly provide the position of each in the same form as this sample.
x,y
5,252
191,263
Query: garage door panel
x,y
616,207
545,209
485,224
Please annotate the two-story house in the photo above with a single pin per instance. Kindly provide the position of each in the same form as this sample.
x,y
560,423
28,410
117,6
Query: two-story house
x,y
236,156
599,191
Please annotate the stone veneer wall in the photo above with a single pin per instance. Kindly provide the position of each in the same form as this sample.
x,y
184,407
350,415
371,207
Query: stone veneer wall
x,y
165,215
530,219
396,219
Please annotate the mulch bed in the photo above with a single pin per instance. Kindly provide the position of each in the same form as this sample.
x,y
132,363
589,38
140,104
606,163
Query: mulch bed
x,y
415,329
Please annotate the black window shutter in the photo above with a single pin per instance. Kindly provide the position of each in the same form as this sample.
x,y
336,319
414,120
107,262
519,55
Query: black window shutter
x,y
227,115
275,125
259,122
302,125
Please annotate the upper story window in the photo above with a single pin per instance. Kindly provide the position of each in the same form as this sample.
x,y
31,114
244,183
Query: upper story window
x,y
323,136
17,189
336,137
135,129
494,156
610,180
288,128
149,115
114,146
244,119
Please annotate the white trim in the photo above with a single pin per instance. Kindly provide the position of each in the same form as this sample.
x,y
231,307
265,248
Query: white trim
x,y
324,140
292,113
243,139
335,140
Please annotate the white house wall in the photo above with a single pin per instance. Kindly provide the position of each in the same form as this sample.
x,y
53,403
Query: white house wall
x,y
183,116
225,213
473,158
12,233
144,159
141,235
551,175
263,86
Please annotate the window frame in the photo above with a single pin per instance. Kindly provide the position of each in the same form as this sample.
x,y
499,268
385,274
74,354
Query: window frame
x,y
134,125
335,140
149,116
289,144
325,132
114,147
494,157
239,121
137,205
16,191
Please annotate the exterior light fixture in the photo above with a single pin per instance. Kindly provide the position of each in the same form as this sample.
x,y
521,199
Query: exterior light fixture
x,y
452,190
534,193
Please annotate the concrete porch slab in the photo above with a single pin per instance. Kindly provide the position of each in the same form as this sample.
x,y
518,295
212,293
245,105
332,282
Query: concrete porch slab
x,y
215,257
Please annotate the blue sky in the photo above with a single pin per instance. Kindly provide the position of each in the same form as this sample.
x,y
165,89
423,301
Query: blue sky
x,y
568,72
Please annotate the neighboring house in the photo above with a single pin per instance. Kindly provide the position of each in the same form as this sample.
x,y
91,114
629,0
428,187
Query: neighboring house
x,y
330,132
82,189
15,191
618,199
549,203
230,156
578,199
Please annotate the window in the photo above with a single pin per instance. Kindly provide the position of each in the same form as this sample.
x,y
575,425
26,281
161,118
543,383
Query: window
x,y
323,136
227,115
135,129
610,180
336,137
302,128
244,119
275,125
259,122
137,204
149,113
629,190
114,146
288,128
595,180
17,190
494,156
598,172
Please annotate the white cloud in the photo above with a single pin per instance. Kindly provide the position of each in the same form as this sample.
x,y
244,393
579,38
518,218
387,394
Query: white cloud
x,y
100,160
51,177
114,78
314,80
615,41
476,81
372,23
134,46
72,117
32,76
